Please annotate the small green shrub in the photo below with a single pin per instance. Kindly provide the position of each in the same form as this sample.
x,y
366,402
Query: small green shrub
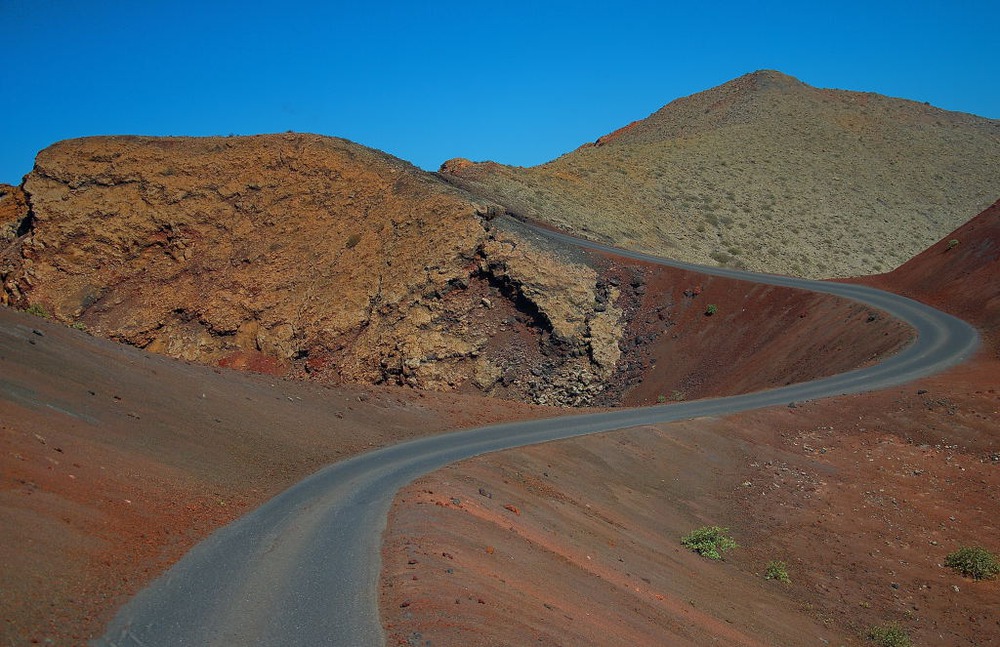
x,y
660,399
38,310
709,541
720,257
953,243
975,562
352,240
78,325
711,309
777,570
890,635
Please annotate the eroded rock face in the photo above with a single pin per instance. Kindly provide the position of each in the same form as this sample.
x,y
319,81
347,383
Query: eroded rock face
x,y
302,255
581,331
13,211
14,221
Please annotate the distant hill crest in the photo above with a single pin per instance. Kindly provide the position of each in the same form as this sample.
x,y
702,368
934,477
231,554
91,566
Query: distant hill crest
x,y
767,173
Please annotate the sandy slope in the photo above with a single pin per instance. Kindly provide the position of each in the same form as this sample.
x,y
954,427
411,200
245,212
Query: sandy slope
x,y
862,496
114,462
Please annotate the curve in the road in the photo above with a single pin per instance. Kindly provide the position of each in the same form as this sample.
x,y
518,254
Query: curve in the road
x,y
303,568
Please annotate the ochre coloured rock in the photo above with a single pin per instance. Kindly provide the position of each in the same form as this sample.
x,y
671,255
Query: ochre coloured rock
x,y
301,253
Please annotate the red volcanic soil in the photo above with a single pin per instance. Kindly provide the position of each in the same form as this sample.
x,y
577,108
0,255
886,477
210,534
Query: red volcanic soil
x,y
960,274
756,337
863,496
114,462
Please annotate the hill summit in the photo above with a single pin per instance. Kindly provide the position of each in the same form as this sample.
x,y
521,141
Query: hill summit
x,y
765,173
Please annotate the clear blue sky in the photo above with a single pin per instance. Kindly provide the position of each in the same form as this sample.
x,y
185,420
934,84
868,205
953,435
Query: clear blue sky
x,y
516,82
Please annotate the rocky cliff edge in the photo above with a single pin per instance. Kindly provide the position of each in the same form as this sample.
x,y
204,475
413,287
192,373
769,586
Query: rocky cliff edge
x,y
301,255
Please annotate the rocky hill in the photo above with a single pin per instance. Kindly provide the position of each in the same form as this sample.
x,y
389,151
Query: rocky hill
x,y
767,173
298,254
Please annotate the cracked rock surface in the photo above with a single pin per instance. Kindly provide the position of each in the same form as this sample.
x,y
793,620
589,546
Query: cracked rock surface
x,y
300,255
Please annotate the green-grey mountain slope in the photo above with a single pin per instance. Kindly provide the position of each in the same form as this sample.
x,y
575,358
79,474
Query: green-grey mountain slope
x,y
768,173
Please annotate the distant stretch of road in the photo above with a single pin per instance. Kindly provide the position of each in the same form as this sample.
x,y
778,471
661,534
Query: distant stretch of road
x,y
303,569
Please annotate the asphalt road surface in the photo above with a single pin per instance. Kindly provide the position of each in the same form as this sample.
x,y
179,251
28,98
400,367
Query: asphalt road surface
x,y
303,568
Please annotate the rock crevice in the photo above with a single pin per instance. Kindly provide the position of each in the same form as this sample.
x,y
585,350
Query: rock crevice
x,y
306,256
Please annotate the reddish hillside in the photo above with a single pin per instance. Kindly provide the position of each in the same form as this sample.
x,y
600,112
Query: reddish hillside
x,y
114,462
861,497
757,337
960,274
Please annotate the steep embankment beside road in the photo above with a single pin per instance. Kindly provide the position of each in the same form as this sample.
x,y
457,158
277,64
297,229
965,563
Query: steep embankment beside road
x,y
959,274
860,498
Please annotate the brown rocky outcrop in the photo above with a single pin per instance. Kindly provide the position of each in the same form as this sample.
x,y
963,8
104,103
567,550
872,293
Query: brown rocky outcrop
x,y
14,219
13,211
299,254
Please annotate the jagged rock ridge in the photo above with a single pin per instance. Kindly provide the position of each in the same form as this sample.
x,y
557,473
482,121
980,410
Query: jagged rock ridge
x,y
301,254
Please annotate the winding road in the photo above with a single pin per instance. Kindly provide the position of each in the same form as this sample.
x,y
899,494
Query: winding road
x,y
303,569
